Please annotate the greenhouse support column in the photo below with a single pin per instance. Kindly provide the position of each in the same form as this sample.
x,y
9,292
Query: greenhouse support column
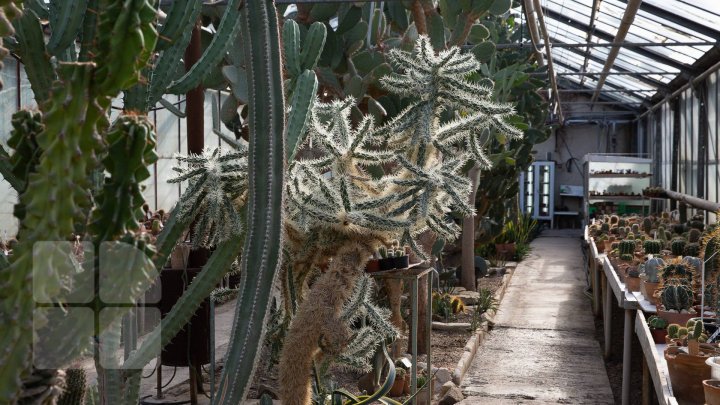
x,y
627,345
467,278
195,99
675,165
607,316
703,124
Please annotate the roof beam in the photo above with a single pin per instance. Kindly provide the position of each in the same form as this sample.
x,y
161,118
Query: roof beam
x,y
611,44
534,34
632,8
590,32
608,73
691,25
645,79
546,38
562,19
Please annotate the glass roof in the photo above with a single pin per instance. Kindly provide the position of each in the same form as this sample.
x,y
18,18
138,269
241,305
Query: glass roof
x,y
686,30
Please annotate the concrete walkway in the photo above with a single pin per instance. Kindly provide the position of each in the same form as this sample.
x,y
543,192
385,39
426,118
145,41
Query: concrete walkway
x,y
542,349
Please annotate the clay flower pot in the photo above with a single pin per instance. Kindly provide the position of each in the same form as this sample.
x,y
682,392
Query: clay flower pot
x,y
398,388
674,317
659,335
687,374
632,283
372,266
648,290
712,392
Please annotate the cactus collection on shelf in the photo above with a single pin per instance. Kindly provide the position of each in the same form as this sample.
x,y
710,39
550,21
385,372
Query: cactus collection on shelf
x,y
677,297
652,246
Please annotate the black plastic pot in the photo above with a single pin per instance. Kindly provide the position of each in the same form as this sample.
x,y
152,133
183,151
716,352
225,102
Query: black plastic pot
x,y
401,262
387,264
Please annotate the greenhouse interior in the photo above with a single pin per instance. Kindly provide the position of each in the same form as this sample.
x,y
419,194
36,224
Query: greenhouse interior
x,y
337,202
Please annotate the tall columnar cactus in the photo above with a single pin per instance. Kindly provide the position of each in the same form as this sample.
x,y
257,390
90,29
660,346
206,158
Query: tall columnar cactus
x,y
266,160
677,246
677,297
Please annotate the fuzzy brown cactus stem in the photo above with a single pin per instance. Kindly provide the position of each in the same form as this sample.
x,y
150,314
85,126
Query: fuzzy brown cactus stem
x,y
317,326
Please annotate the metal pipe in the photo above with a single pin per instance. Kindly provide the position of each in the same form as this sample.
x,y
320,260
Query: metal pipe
x,y
551,66
533,29
627,346
428,322
414,336
591,31
706,205
702,76
607,91
584,73
627,20
608,44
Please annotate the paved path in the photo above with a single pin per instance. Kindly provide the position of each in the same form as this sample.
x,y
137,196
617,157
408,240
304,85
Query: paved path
x,y
542,349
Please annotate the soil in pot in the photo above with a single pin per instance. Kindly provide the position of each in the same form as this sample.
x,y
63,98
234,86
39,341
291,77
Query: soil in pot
x,y
712,392
687,374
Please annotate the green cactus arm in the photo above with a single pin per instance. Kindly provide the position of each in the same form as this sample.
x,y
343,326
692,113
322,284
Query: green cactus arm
x,y
302,100
39,7
180,19
6,171
166,68
89,29
226,33
199,289
313,46
126,39
291,46
66,18
35,58
263,244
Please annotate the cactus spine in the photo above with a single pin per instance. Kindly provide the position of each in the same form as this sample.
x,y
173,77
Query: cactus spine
x,y
75,387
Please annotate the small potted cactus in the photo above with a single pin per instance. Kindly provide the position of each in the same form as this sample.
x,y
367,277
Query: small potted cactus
x,y
632,281
677,303
649,278
387,260
652,246
401,259
688,369
658,328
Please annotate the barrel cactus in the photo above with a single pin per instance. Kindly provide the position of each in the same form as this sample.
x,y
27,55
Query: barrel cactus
x,y
677,246
677,297
605,227
692,249
647,225
677,271
652,246
635,228
75,387
626,257
626,247
673,331
694,235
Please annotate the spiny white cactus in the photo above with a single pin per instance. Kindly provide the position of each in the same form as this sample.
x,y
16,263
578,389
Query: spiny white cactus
x,y
218,182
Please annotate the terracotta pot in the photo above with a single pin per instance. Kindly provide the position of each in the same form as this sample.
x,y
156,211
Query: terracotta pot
x,y
398,388
659,335
648,290
673,317
712,392
632,283
687,374
505,250
372,266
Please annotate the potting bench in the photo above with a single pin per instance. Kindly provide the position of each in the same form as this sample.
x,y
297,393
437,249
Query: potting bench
x,y
654,365
414,273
